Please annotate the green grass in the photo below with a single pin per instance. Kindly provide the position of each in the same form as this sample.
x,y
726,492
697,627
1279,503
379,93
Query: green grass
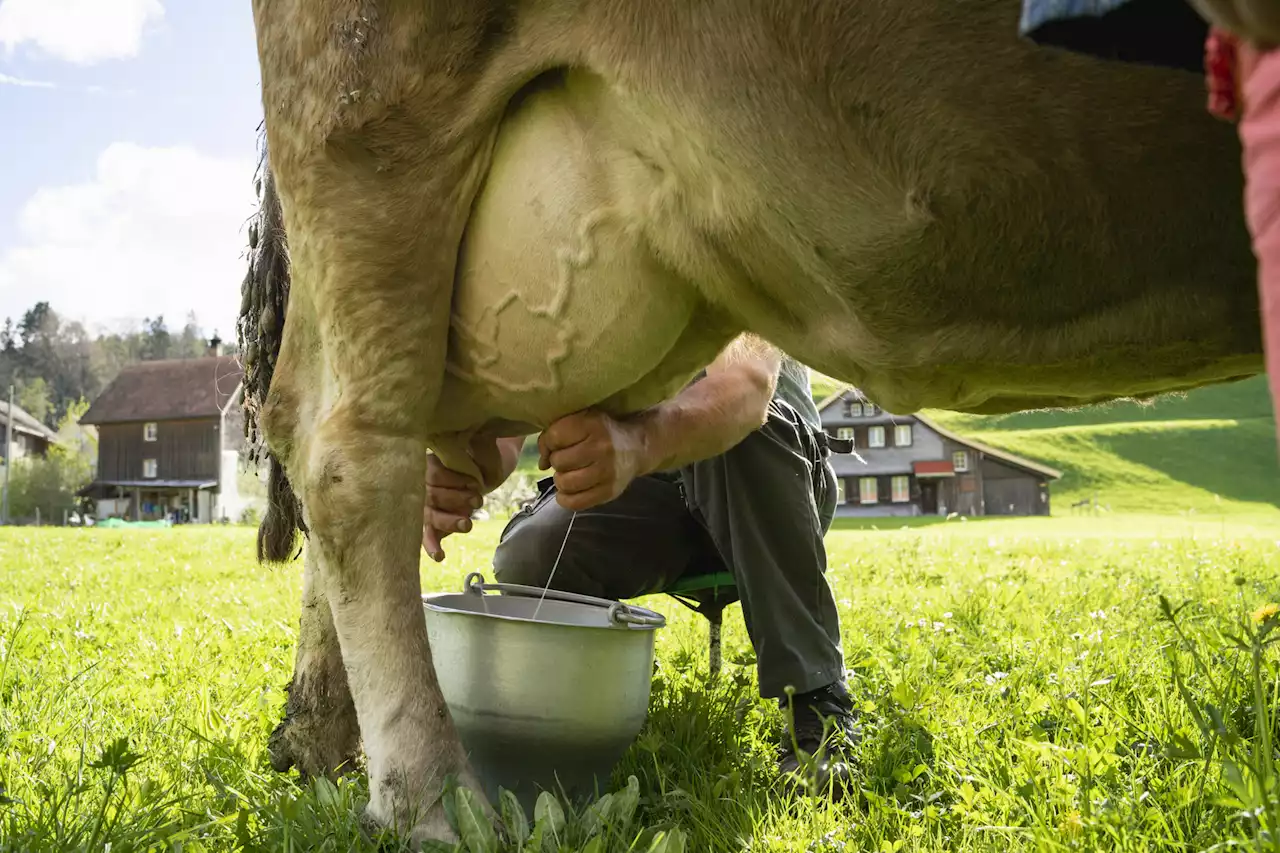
x,y
1014,676
1212,450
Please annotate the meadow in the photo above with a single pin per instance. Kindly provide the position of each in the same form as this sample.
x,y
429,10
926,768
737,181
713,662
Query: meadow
x,y
1047,684
1211,451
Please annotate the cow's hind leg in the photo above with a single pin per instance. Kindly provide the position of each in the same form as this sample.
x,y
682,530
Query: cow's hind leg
x,y
319,734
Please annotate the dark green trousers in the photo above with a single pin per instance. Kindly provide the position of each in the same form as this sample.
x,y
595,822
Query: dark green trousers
x,y
758,511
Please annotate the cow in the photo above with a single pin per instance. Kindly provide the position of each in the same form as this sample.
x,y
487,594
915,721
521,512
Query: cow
x,y
478,216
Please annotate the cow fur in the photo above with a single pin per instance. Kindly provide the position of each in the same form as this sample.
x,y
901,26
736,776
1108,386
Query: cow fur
x,y
901,195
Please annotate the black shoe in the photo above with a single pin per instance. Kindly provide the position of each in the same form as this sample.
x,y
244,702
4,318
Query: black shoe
x,y
824,771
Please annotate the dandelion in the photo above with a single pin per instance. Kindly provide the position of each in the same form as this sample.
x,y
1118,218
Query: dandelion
x,y
1266,611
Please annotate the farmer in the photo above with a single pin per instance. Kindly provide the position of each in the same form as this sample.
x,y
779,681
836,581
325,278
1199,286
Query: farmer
x,y
731,473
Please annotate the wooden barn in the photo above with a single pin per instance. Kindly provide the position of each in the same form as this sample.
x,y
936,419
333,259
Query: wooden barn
x,y
912,466
169,440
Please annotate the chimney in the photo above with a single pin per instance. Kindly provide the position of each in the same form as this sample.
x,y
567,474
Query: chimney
x,y
215,345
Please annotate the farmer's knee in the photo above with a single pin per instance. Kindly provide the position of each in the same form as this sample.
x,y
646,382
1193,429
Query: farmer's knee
x,y
528,548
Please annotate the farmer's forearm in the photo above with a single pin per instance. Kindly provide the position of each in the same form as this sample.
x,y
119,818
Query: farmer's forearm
x,y
711,416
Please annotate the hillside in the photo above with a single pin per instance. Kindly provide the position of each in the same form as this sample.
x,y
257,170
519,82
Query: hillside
x,y
1208,451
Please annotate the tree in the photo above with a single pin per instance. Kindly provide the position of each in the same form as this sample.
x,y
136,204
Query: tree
x,y
156,341
49,485
32,395
190,343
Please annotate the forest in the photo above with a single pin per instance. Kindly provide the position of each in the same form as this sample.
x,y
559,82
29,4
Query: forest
x,y
54,363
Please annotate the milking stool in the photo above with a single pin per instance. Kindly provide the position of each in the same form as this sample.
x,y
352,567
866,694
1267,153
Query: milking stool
x,y
707,594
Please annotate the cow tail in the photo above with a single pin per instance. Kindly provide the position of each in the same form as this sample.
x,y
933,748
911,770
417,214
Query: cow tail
x,y
264,297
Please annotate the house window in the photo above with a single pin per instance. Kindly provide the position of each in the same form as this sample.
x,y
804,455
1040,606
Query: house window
x,y
902,435
867,493
853,409
149,468
960,460
845,433
840,496
148,432
901,489
875,436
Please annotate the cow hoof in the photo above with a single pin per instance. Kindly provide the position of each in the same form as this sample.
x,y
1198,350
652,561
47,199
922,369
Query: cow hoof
x,y
388,809
434,828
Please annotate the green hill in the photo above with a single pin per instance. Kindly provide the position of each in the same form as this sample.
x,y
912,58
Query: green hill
x,y
1208,451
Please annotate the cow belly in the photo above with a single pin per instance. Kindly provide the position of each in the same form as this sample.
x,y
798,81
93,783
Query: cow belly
x,y
559,304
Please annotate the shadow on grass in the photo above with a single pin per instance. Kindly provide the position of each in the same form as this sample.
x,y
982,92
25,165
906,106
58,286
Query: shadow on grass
x,y
1236,461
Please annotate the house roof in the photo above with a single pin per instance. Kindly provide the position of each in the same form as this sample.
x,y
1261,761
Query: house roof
x,y
837,396
168,390
987,450
25,422
994,452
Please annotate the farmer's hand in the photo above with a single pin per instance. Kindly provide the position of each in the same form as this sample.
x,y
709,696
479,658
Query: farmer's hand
x,y
453,497
594,457
1257,21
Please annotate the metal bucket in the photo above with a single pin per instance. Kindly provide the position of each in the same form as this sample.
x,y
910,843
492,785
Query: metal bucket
x,y
550,704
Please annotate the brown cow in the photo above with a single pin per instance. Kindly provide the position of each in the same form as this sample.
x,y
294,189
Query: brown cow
x,y
502,211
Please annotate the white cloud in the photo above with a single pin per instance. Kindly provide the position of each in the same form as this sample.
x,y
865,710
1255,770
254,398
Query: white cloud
x,y
79,31
157,231
6,80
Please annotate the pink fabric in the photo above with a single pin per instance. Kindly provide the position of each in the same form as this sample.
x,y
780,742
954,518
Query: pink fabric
x,y
1259,128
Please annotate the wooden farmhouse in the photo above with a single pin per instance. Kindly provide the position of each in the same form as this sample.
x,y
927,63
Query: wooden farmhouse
x,y
912,466
30,436
169,440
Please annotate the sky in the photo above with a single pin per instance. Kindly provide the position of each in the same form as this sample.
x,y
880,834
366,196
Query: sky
x,y
128,135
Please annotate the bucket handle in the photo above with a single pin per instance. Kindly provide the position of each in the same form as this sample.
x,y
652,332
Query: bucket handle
x,y
622,614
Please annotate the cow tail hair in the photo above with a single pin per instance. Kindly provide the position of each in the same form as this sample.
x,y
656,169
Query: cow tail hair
x,y
264,296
